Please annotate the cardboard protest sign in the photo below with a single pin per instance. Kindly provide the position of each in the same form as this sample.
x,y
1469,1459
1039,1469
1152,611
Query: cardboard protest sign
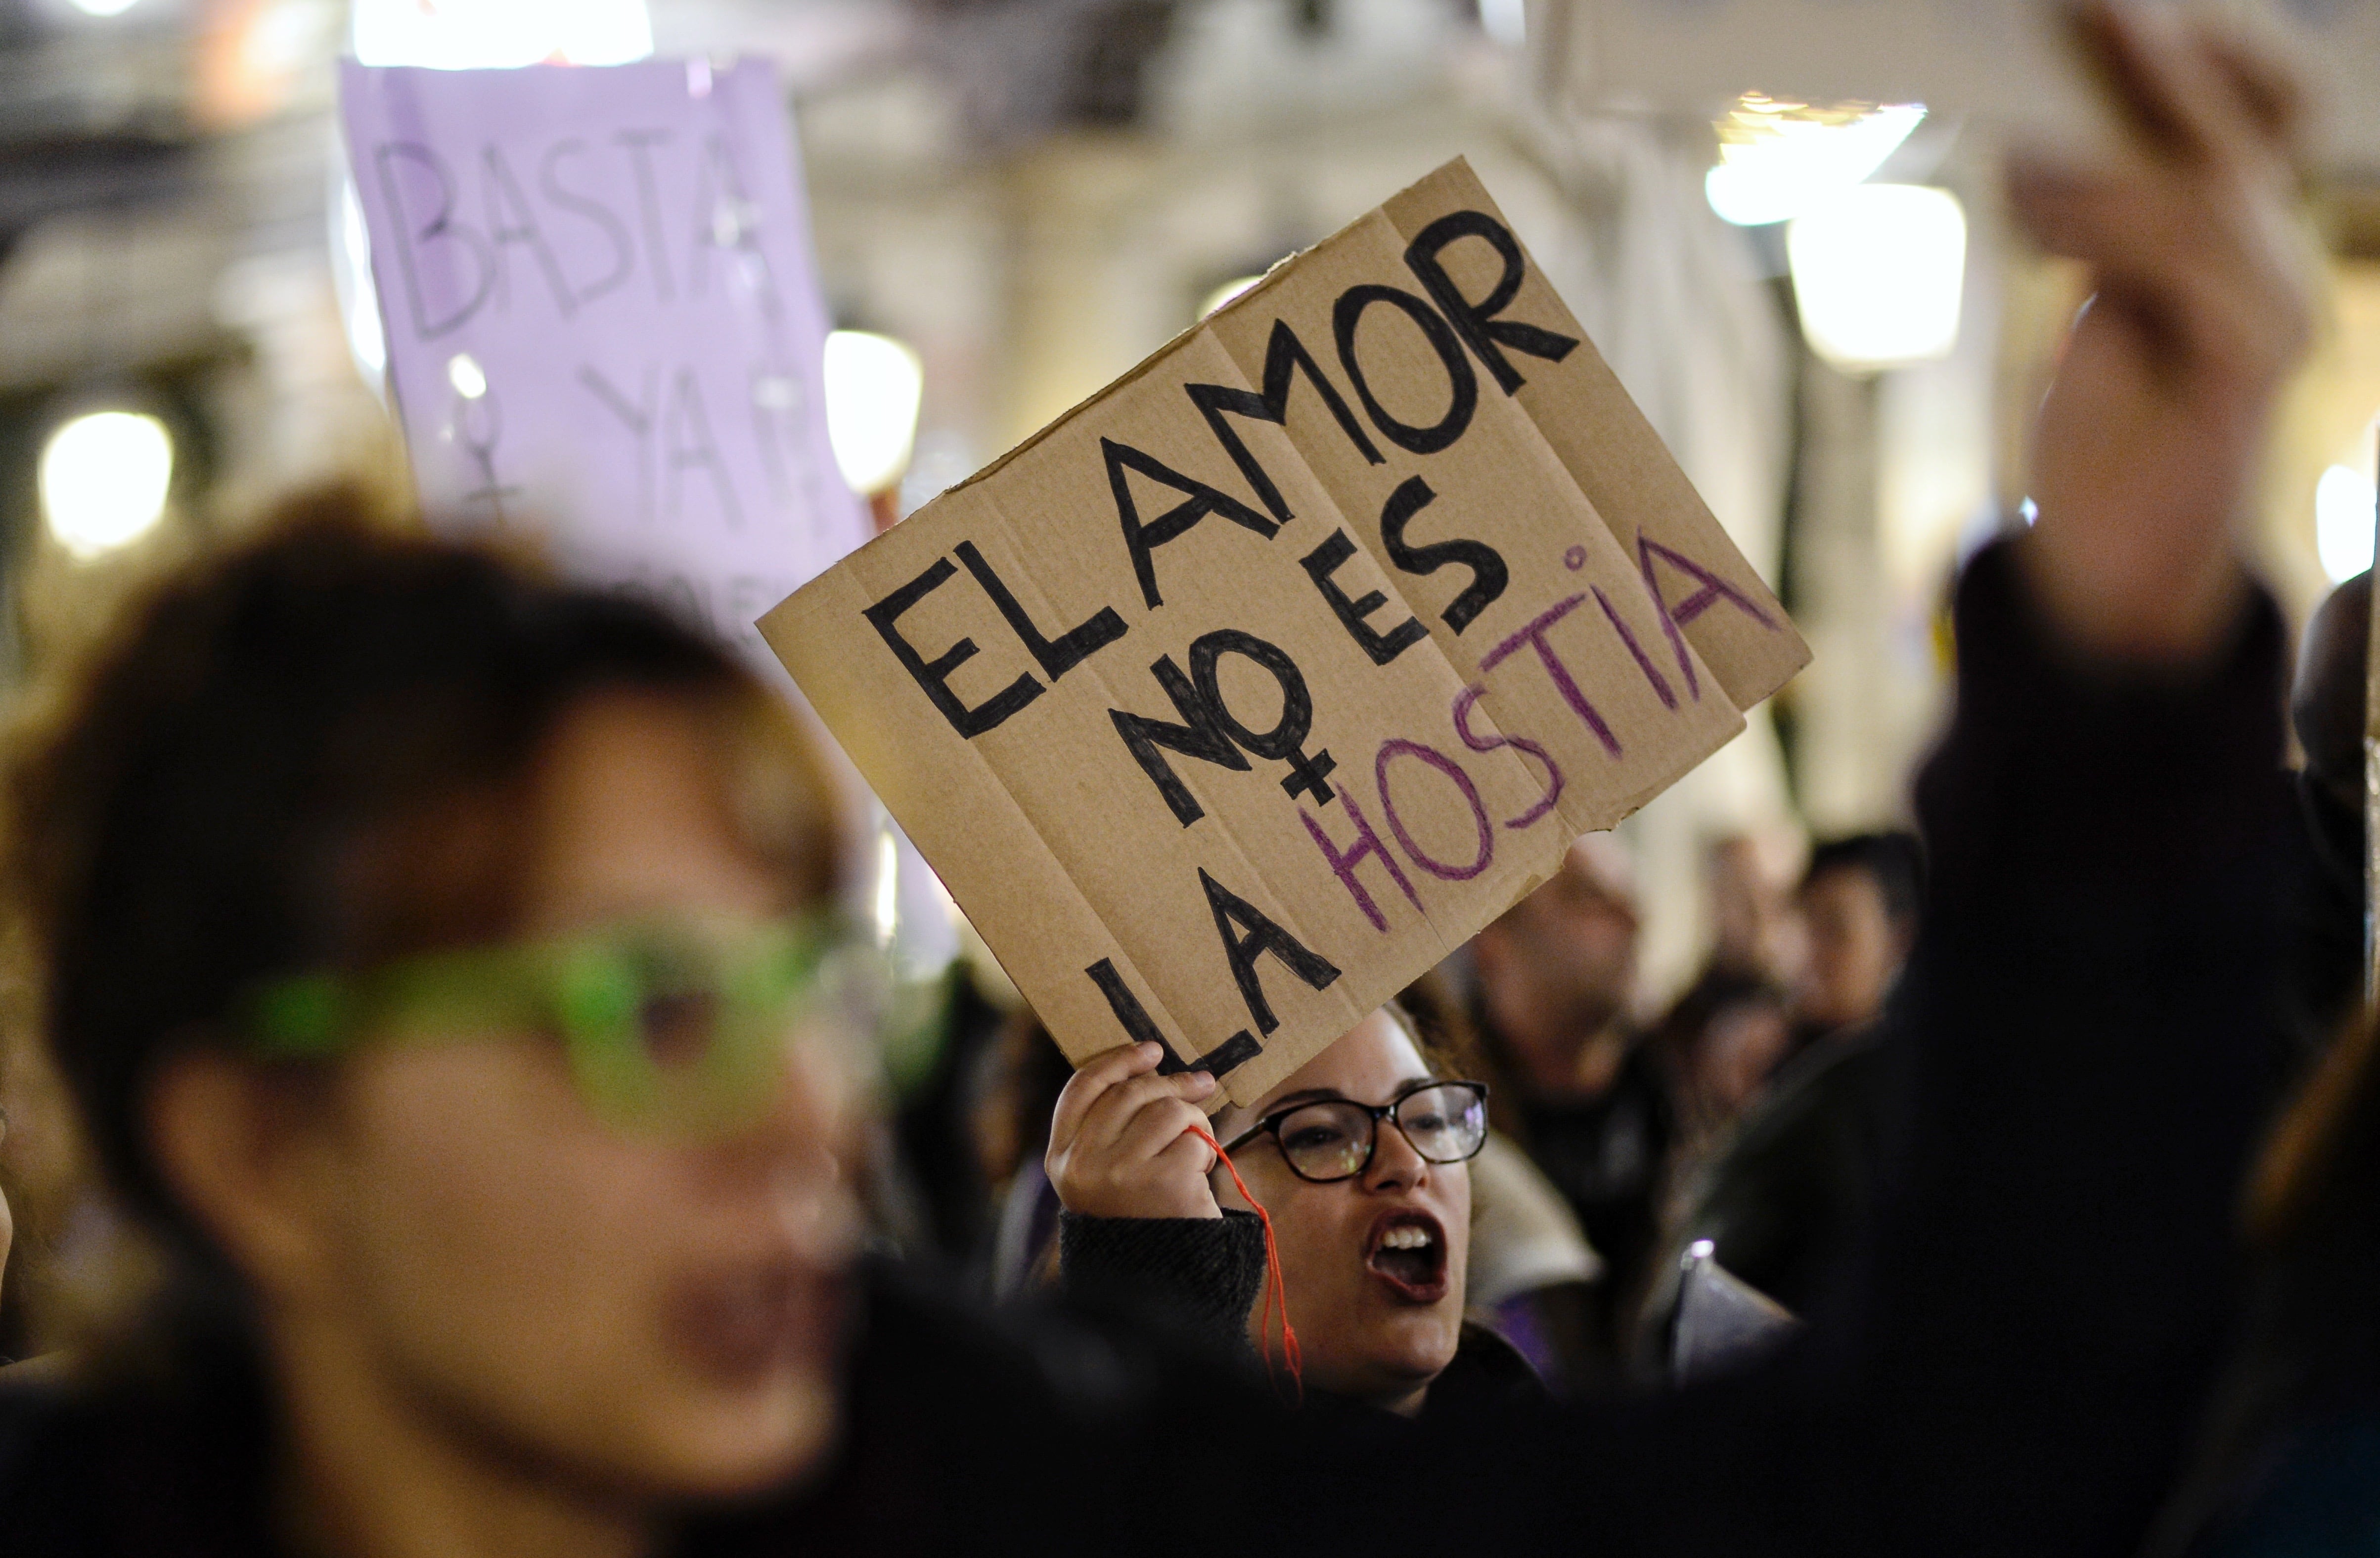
x,y
602,319
1231,702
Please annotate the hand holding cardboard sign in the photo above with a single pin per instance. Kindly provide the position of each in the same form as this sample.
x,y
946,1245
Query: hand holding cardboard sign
x,y
1121,1142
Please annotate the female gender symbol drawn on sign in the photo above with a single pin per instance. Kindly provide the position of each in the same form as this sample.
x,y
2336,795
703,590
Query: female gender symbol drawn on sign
x,y
472,392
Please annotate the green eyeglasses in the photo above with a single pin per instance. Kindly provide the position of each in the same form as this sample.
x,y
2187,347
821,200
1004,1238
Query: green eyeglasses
x,y
669,1026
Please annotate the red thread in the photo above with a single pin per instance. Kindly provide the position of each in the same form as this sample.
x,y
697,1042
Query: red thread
x,y
1276,1290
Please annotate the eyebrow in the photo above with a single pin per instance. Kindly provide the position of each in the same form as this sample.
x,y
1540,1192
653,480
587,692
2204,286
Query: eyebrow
x,y
1326,1095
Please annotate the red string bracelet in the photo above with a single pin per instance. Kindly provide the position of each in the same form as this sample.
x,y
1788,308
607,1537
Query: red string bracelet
x,y
1276,1290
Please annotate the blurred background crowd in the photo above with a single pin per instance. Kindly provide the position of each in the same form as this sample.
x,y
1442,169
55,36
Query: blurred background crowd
x,y
1820,304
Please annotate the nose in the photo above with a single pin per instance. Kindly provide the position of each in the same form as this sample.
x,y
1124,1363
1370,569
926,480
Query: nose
x,y
816,1123
796,1149
1395,1165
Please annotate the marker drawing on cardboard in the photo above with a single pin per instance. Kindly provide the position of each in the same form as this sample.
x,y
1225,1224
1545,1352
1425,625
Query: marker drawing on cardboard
x,y
596,286
1239,696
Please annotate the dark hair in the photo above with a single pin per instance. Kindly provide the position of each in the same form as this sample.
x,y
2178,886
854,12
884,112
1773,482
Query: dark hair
x,y
315,749
1432,1015
2327,699
1893,860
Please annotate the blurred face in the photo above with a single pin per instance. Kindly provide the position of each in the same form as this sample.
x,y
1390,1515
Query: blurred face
x,y
1739,1050
1560,965
658,1315
1751,908
1583,924
1854,949
1374,1265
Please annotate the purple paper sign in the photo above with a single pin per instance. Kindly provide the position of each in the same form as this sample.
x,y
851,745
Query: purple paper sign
x,y
602,322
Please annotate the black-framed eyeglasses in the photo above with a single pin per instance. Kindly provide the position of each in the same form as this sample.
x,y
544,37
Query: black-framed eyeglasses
x,y
1332,1138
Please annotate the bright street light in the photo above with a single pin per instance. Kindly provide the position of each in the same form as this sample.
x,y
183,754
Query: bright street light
x,y
1877,272
1506,21
103,479
2345,505
1779,158
873,386
495,34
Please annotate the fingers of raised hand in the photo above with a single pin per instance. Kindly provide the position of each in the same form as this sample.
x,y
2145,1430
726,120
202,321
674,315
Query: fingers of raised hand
x,y
2214,259
2266,91
2167,85
1112,1114
2093,214
1188,1153
1093,1081
1156,1129
1151,1167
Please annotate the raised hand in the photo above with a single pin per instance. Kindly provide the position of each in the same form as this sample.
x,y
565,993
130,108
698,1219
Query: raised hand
x,y
2203,277
1120,1143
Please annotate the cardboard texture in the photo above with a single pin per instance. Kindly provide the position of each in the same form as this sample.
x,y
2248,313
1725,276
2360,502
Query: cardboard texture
x,y
602,321
1238,697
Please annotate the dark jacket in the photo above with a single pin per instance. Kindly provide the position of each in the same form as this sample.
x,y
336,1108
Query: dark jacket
x,y
964,1432
1608,1156
1786,1206
2092,1047
2094,1051
1199,1277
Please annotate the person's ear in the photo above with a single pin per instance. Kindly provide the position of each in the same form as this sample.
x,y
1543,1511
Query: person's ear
x,y
235,1144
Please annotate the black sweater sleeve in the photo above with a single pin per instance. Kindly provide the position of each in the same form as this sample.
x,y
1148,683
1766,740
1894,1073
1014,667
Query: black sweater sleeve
x,y
1197,1276
2085,1044
2090,1020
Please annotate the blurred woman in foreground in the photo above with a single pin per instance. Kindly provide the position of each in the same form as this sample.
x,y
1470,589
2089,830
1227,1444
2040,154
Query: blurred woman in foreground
x,y
436,959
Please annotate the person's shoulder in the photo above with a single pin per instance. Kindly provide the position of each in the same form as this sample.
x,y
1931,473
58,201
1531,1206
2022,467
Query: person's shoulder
x,y
1053,1362
1488,1374
25,1405
137,1453
1819,1115
50,1501
36,1413
963,1422
1835,1073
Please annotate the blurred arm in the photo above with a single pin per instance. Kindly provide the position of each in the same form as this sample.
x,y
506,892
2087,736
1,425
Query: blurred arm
x,y
2202,285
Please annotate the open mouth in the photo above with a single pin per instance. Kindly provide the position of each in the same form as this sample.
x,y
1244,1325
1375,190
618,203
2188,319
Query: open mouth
x,y
742,1324
1407,1253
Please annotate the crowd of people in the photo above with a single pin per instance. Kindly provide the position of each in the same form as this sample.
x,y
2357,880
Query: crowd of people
x,y
440,966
